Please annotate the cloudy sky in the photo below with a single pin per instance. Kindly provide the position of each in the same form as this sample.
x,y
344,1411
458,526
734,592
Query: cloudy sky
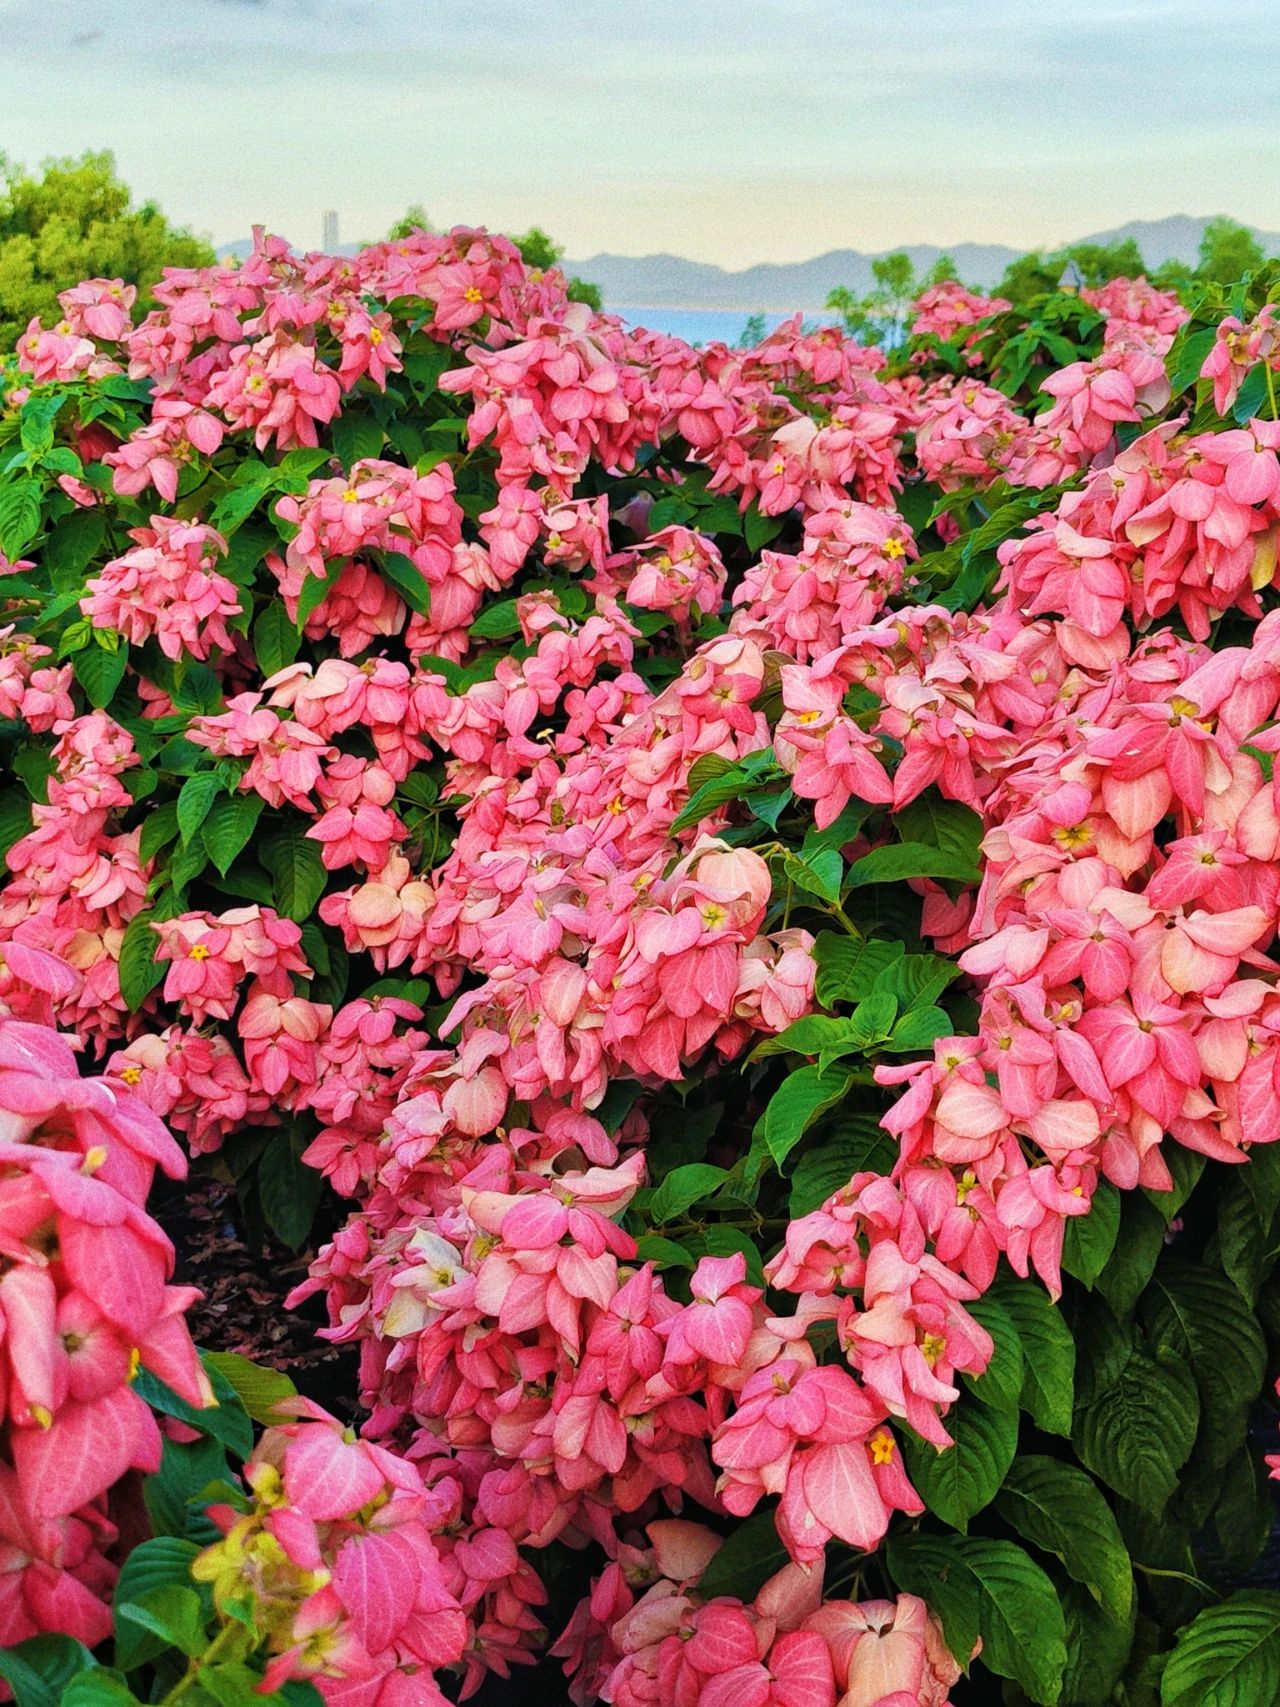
x,y
727,130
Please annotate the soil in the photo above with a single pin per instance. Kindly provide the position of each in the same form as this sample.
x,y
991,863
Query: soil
x,y
244,1284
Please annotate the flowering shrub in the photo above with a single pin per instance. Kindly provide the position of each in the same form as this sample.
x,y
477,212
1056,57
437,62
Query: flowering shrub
x,y
740,887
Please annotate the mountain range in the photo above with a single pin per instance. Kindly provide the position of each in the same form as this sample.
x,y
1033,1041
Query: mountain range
x,y
671,281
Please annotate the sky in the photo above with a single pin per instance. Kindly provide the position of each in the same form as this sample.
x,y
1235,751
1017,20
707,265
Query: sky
x,y
730,131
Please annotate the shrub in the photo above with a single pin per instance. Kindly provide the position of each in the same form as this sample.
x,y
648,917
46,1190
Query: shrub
x,y
752,875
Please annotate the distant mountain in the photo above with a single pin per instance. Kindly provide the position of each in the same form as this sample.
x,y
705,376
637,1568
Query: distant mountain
x,y
669,281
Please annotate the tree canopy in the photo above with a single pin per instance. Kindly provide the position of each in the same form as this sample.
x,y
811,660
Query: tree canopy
x,y
73,221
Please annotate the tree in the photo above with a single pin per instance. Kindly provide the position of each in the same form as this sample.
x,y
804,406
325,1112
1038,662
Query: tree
x,y
541,252
77,221
1037,273
881,313
1227,252
943,271
413,219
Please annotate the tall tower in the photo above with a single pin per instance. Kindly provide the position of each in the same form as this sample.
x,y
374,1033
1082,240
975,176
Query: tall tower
x,y
329,231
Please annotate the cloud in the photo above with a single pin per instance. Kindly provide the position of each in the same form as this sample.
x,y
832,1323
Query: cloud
x,y
735,133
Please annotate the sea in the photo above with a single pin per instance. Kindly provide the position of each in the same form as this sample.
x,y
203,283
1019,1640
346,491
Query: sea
x,y
706,325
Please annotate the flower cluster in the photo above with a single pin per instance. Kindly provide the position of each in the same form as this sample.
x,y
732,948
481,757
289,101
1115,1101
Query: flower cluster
x,y
84,1303
487,759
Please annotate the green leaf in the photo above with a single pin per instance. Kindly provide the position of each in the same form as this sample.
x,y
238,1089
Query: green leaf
x,y
181,757
1057,1508
716,784
34,765
139,970
315,590
1049,1352
259,1389
1248,1202
1090,1239
170,1615
100,673
19,516
666,1253
35,421
289,1189
229,825
759,530
859,1145
1138,1428
1001,1382
901,860
236,506
990,1589
721,1239
39,1669
1098,1649
159,828
1188,356
751,1554
75,637
1139,1243
917,980
356,438
161,1562
296,869
682,1188
72,545
944,824
496,622
1195,1316
809,1035
275,639
195,797
797,1103
1229,1656
404,575
849,966
224,1421
1251,396
819,874
175,1494
919,1029
1186,1167
15,818
870,1022
97,1688
956,1483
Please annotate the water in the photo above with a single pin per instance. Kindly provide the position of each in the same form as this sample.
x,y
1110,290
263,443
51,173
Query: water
x,y
705,325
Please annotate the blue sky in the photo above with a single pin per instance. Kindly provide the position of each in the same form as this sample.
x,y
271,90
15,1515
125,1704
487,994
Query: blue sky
x,y
728,130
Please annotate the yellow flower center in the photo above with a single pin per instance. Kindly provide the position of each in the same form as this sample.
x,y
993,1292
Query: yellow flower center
x,y
200,952
881,1444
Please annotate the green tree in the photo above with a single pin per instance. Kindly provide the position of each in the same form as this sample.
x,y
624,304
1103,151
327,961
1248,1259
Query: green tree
x,y
76,221
1227,252
881,313
413,219
1037,274
541,252
943,271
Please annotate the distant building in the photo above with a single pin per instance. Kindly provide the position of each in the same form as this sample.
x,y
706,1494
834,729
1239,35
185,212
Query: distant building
x,y
329,231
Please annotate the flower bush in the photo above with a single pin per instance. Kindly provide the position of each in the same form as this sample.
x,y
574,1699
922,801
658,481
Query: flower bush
x,y
736,891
